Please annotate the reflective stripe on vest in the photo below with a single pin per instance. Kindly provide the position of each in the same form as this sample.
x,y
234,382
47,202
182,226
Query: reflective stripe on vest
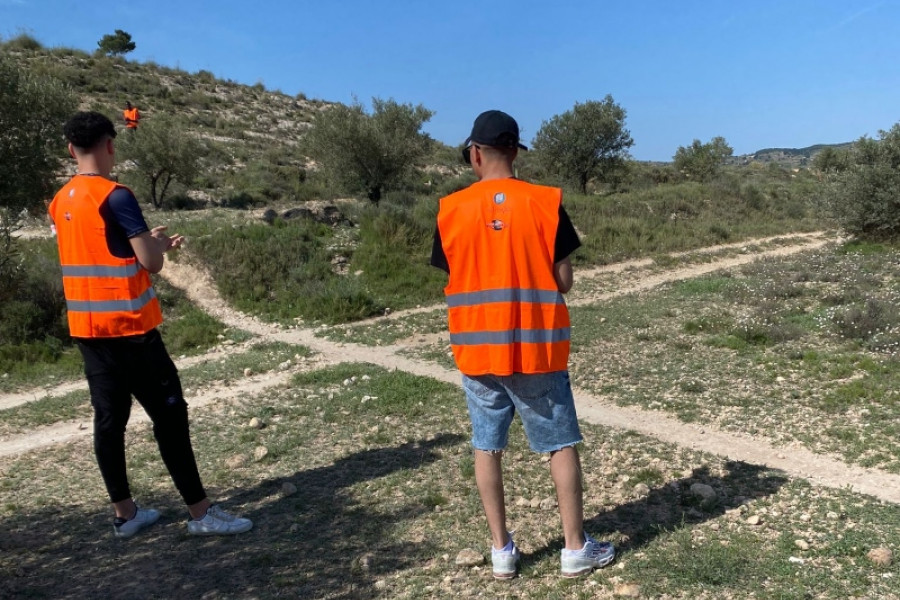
x,y
506,314
100,271
507,295
109,306
511,336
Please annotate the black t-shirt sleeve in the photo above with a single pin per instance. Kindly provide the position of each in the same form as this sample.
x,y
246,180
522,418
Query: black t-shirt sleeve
x,y
127,212
566,237
438,258
124,220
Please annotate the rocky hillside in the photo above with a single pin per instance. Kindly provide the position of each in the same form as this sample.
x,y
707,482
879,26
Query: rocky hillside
x,y
232,113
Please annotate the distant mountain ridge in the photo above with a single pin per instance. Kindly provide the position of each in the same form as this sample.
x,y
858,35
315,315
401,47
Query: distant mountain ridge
x,y
789,157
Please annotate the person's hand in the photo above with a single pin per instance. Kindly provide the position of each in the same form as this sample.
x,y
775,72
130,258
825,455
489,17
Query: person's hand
x,y
167,242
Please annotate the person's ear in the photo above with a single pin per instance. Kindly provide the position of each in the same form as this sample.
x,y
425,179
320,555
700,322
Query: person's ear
x,y
71,150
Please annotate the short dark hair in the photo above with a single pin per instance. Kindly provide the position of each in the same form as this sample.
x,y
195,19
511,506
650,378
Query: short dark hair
x,y
87,129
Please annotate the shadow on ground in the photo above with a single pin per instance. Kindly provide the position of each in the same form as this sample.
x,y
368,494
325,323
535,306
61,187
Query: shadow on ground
x,y
672,506
319,542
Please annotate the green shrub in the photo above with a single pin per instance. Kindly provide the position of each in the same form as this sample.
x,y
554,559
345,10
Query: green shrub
x,y
865,323
283,272
23,41
864,198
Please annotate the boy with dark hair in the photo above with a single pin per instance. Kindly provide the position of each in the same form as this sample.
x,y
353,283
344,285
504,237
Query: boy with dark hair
x,y
107,252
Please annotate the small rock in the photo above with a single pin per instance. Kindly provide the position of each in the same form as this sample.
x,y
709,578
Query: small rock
x,y
802,544
288,489
284,366
796,560
642,489
883,557
248,372
522,501
260,452
255,423
627,590
754,520
380,584
535,503
548,503
469,558
833,516
366,561
347,382
233,462
705,494
82,426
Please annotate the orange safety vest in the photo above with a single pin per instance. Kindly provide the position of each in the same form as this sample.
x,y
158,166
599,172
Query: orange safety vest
x,y
506,314
106,296
131,117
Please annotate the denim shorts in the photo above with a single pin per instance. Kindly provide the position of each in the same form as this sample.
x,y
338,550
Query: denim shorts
x,y
544,402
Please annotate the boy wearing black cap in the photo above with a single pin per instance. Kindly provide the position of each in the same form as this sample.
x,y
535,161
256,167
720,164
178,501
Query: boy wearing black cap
x,y
506,244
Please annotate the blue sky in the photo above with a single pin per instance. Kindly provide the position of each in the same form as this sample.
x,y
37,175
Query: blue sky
x,y
766,73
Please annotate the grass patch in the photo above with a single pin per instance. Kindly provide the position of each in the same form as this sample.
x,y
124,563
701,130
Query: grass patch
x,y
258,358
385,499
767,354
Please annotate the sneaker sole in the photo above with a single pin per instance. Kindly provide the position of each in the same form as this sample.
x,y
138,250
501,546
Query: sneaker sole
x,y
206,533
504,576
587,570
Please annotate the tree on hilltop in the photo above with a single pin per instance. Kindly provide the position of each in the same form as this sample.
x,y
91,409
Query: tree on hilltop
x,y
365,152
588,141
116,44
701,161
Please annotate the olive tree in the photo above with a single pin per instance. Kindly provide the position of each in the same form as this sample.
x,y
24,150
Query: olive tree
x,y
864,197
159,154
32,112
831,160
116,44
588,141
701,161
369,152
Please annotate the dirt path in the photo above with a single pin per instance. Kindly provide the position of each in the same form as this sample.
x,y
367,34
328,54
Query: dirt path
x,y
796,461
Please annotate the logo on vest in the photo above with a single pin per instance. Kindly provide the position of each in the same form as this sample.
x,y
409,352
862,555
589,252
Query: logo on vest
x,y
499,198
496,225
71,193
68,216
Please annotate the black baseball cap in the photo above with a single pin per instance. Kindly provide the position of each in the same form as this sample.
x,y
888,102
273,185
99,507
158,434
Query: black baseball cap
x,y
497,129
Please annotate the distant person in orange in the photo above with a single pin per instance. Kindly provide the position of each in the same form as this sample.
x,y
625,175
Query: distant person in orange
x,y
131,115
107,253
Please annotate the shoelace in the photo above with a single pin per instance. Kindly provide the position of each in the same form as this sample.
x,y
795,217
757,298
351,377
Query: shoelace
x,y
220,514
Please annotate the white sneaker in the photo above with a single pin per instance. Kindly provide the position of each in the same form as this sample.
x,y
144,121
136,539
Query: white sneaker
x,y
143,517
218,522
593,555
504,561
